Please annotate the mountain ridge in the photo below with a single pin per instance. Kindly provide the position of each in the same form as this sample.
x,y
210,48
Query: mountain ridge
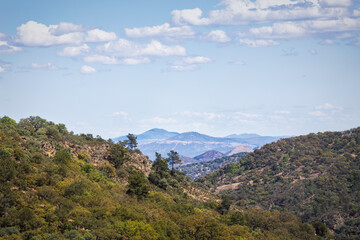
x,y
191,144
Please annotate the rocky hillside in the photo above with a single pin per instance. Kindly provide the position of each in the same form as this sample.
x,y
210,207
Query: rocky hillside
x,y
316,176
58,185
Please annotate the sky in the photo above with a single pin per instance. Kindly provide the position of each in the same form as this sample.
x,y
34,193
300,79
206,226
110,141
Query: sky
x,y
109,68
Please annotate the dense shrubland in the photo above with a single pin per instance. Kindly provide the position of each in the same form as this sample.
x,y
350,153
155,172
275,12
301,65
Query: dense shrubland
x,y
315,177
59,185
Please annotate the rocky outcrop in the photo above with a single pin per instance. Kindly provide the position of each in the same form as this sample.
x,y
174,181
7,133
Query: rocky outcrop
x,y
48,148
139,162
97,153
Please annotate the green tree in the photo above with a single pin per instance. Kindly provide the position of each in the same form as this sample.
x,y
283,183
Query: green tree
x,y
8,121
131,142
320,229
33,123
138,185
117,154
159,171
173,159
225,204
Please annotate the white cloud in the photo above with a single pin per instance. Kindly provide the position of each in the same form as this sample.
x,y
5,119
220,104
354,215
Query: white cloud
x,y
63,28
125,48
134,61
164,30
218,36
183,68
257,42
318,114
113,60
97,35
87,70
239,12
2,36
189,63
121,114
198,59
74,51
101,59
2,69
284,112
189,16
248,115
304,29
5,47
46,66
327,106
37,34
290,18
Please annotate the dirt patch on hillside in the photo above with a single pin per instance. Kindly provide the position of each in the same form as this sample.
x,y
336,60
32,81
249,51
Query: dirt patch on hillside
x,y
231,186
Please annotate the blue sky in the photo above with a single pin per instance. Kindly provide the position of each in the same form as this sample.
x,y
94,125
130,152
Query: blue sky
x,y
272,67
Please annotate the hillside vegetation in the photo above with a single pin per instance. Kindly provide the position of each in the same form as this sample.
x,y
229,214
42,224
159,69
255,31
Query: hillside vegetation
x,y
197,170
316,176
59,185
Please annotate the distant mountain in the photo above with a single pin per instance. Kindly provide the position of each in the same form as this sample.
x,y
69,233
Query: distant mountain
x,y
197,137
244,135
191,144
152,134
208,156
187,160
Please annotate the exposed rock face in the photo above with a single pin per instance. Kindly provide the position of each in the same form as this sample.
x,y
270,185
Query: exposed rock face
x,y
48,148
140,163
97,153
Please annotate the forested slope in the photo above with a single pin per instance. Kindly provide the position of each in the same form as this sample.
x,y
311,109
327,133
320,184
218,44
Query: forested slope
x,y
316,176
58,185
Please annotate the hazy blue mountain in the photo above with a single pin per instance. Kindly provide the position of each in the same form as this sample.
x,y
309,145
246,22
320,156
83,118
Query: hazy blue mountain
x,y
244,135
152,134
187,148
187,160
192,144
195,136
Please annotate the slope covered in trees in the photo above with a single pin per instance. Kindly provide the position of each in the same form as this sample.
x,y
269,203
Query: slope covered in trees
x,y
197,170
58,185
316,176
